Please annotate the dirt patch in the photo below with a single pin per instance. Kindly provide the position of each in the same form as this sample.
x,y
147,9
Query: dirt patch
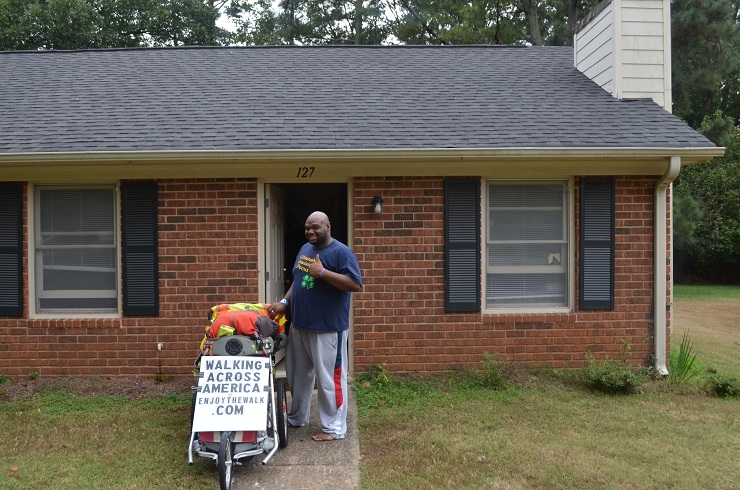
x,y
24,388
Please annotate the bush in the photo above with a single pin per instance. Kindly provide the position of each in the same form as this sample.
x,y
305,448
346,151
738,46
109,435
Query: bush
x,y
721,385
496,374
611,376
376,375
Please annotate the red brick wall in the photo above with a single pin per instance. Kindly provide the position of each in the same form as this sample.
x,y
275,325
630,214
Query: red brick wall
x,y
208,246
208,241
400,318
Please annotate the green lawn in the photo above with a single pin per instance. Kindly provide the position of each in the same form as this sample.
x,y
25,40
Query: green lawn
x,y
550,432
447,431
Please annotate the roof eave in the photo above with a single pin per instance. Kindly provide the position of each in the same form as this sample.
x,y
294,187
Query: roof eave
x,y
688,155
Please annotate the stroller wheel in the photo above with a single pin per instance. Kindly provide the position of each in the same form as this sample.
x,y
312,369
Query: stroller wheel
x,y
225,455
282,414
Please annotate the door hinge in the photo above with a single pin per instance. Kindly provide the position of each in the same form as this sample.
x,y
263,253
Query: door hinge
x,y
267,202
267,276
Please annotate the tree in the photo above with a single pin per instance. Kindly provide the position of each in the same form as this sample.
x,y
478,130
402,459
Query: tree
x,y
712,252
79,24
706,83
705,59
309,21
561,17
456,22
487,21
52,24
183,22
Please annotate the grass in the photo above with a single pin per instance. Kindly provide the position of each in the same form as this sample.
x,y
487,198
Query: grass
x,y
98,442
549,436
552,433
709,314
706,293
458,430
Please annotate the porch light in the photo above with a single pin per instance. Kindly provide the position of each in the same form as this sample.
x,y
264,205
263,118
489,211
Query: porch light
x,y
377,204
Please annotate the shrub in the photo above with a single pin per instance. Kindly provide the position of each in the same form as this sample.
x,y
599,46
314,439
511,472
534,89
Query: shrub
x,y
611,376
721,385
495,373
377,375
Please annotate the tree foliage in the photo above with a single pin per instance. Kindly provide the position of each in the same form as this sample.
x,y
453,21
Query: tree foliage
x,y
706,94
707,216
76,24
705,59
407,21
83,24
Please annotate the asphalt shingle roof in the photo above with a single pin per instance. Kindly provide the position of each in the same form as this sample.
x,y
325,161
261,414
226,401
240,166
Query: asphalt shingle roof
x,y
332,97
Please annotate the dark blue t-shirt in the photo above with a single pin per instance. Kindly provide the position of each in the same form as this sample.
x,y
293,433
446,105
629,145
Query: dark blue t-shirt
x,y
316,305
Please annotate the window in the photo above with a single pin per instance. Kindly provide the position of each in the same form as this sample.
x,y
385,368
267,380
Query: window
x,y
76,249
526,249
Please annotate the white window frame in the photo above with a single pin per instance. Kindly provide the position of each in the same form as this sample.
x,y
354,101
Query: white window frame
x,y
566,267
36,291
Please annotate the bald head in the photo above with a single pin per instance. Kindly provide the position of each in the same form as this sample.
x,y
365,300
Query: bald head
x,y
318,229
317,216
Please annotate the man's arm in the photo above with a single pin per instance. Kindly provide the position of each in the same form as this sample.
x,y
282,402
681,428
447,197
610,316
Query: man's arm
x,y
336,279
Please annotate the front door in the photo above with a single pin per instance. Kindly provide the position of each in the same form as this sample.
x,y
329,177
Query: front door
x,y
274,247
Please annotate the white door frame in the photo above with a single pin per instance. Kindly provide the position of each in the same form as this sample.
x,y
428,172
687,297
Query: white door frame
x,y
266,250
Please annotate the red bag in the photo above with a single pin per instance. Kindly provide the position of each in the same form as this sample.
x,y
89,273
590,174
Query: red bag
x,y
244,322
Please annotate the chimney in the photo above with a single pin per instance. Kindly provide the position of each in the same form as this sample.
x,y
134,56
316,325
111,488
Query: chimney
x,y
625,47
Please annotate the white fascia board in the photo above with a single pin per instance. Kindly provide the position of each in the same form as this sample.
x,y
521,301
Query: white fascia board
x,y
687,155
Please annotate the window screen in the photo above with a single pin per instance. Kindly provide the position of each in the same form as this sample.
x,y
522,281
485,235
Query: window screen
x,y
76,266
527,244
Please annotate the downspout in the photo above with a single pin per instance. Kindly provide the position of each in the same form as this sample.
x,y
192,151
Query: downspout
x,y
661,230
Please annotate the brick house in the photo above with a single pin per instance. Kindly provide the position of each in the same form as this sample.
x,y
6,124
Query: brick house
x,y
525,196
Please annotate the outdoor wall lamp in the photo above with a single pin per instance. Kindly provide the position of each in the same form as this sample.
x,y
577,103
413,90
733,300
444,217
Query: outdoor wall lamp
x,y
377,204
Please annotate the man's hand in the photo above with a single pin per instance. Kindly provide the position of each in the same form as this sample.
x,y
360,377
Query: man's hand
x,y
315,268
276,309
335,279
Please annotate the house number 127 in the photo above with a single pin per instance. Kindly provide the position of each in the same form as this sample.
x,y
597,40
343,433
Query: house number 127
x,y
305,172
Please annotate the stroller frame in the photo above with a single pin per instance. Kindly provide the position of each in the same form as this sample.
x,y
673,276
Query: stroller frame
x,y
225,451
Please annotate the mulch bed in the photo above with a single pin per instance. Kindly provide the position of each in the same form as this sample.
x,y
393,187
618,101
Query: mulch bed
x,y
24,387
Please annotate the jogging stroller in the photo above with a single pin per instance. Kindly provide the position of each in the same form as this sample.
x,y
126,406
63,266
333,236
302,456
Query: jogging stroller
x,y
239,408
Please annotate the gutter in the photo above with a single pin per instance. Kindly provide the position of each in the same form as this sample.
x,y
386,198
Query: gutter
x,y
660,307
689,155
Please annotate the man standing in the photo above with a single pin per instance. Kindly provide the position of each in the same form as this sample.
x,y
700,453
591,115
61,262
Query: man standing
x,y
325,274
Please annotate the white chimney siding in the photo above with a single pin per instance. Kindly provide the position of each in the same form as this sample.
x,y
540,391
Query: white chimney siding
x,y
625,47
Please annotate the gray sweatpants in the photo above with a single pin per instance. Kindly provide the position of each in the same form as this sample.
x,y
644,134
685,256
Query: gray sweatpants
x,y
321,359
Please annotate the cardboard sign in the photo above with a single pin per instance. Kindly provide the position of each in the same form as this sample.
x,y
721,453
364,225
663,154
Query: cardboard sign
x,y
233,394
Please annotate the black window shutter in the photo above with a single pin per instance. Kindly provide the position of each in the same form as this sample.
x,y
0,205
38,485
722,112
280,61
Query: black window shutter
x,y
462,245
139,248
597,243
11,249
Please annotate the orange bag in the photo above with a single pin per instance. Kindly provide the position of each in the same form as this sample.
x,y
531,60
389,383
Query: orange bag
x,y
242,318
